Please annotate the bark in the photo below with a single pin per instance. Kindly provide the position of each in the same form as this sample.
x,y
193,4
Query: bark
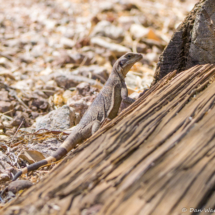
x,y
193,42
156,157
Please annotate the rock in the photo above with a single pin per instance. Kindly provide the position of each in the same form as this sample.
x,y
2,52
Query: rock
x,y
114,48
65,82
67,43
131,81
106,29
4,161
78,58
37,51
64,58
24,84
68,80
10,132
73,58
50,24
106,6
39,93
7,74
58,99
83,89
60,119
4,177
138,31
39,103
4,96
141,48
127,21
5,106
95,71
67,95
151,57
34,115
18,185
19,118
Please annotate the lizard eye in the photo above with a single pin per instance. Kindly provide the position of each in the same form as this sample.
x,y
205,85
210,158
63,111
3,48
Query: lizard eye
x,y
129,56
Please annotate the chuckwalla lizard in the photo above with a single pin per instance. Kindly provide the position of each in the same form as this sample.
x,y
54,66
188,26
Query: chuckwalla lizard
x,y
106,105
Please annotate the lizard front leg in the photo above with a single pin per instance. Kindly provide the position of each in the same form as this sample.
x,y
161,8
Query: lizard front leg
x,y
124,94
126,101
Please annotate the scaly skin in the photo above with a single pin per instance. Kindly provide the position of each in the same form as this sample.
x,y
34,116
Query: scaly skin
x,y
106,105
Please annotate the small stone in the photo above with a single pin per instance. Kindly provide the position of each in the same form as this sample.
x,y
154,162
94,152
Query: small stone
x,y
58,99
4,96
67,95
5,161
113,47
19,118
18,185
97,72
83,89
39,103
5,106
64,82
4,177
138,31
67,43
152,57
106,29
60,119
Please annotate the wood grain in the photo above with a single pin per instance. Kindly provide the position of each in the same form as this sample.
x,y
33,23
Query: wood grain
x,y
156,157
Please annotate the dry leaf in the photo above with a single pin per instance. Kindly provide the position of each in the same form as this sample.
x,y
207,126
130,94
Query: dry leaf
x,y
32,156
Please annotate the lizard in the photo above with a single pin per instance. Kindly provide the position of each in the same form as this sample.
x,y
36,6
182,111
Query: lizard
x,y
105,106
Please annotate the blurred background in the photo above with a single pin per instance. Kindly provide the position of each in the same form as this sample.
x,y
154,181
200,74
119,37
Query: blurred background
x,y
45,37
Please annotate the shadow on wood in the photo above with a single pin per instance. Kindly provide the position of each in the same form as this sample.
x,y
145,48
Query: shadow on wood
x,y
157,157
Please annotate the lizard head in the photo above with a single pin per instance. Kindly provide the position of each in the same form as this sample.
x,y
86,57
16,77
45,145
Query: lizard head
x,y
125,62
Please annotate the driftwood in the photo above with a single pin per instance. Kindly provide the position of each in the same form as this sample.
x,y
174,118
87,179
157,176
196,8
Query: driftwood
x,y
157,157
193,42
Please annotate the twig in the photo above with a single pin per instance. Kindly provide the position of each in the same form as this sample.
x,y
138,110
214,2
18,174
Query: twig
x,y
13,93
16,144
83,62
17,130
1,114
22,103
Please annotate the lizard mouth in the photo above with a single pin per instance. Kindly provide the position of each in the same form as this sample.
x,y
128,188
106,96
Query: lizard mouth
x,y
139,57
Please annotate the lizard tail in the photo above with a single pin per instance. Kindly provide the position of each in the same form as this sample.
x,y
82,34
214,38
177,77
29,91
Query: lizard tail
x,y
56,156
67,145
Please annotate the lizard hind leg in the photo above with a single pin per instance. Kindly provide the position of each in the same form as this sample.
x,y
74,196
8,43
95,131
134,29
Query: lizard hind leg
x,y
81,135
95,127
67,145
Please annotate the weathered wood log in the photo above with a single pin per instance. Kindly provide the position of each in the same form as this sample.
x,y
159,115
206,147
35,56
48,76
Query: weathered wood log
x,y
157,157
193,42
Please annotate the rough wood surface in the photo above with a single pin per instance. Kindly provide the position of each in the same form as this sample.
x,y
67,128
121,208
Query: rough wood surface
x,y
157,157
193,42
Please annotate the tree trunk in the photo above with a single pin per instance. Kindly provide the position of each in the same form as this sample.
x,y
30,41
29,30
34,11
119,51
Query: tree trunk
x,y
193,42
157,157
